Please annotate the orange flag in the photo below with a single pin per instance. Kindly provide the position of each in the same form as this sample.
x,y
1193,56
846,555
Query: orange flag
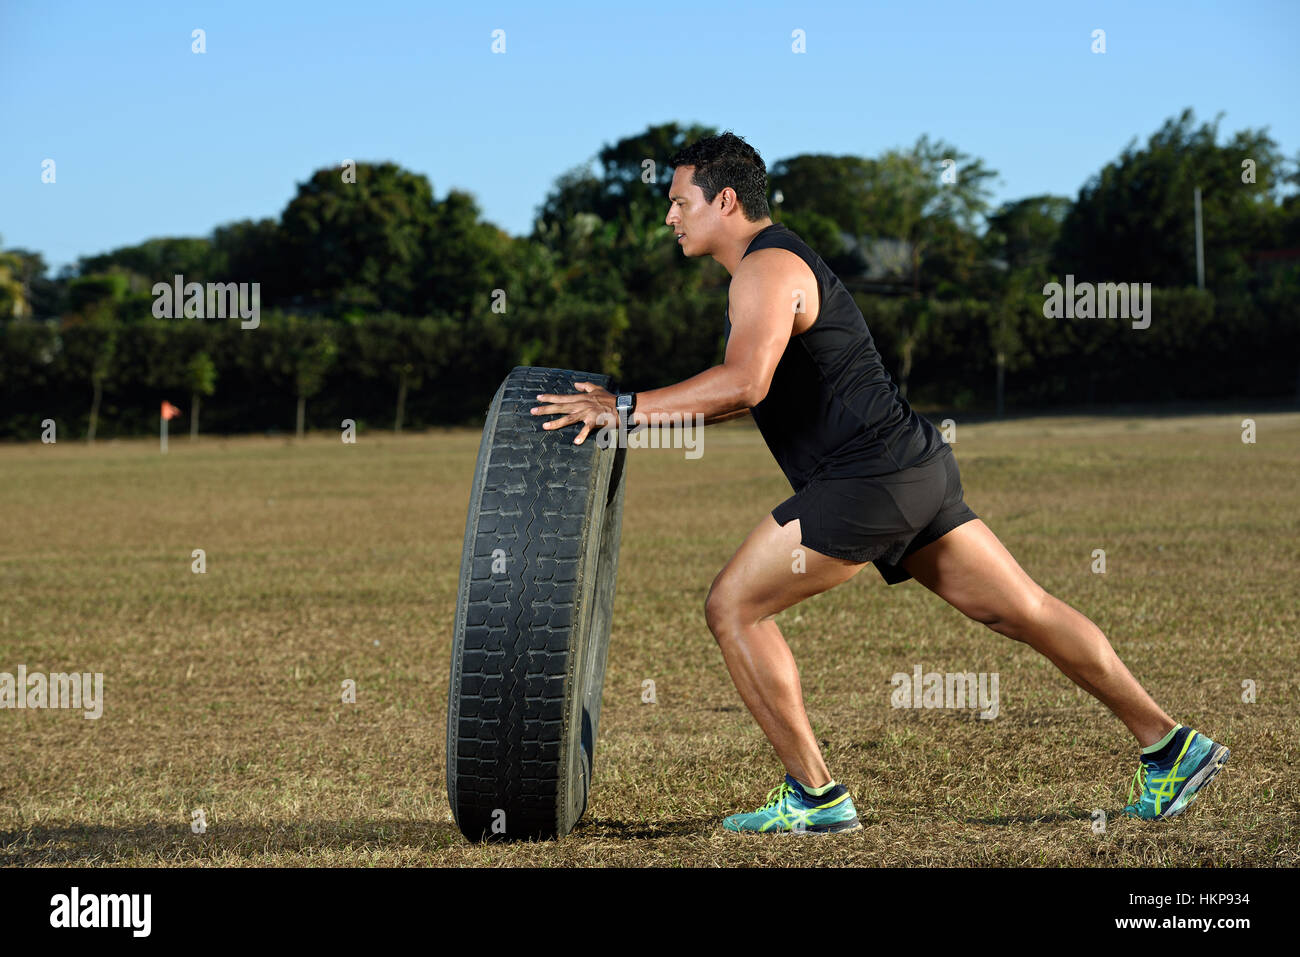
x,y
169,411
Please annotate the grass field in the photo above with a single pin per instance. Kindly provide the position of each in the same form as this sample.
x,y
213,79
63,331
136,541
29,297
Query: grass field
x,y
324,562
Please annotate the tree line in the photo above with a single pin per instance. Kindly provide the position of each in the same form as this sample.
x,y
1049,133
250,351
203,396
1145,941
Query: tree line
x,y
382,303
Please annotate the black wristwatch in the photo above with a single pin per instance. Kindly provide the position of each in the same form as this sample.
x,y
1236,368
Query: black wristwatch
x,y
625,403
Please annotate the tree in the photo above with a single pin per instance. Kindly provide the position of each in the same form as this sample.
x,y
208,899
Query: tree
x,y
359,245
1133,221
824,235
620,212
313,362
97,294
254,251
383,243
909,198
201,379
90,348
1023,233
463,261
29,371
243,250
298,353
156,260
44,297
402,351
632,183
834,188
1021,236
13,291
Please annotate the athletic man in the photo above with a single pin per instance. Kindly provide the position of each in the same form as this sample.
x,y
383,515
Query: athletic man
x,y
873,481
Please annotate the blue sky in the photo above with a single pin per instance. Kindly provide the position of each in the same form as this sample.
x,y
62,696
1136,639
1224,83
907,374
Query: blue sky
x,y
152,140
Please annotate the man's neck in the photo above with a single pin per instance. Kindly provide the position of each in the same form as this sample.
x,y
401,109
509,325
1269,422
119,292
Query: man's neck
x,y
730,258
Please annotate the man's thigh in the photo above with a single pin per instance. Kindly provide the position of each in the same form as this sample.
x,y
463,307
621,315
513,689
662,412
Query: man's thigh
x,y
972,571
772,570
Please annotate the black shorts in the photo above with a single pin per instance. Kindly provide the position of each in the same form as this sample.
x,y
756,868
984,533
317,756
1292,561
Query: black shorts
x,y
881,519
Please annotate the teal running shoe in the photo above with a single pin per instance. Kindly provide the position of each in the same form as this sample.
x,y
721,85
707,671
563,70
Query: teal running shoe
x,y
1169,780
791,810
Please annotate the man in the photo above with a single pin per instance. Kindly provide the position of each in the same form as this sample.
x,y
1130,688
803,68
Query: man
x,y
873,481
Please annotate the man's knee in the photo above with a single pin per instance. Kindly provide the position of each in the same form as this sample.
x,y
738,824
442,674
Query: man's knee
x,y
1015,615
715,610
721,608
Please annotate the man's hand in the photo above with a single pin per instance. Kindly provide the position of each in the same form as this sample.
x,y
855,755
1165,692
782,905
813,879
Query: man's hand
x,y
592,405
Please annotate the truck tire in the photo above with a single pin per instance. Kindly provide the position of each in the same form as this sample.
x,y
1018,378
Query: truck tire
x,y
533,612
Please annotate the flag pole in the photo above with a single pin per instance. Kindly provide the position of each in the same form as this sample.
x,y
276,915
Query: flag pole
x,y
167,411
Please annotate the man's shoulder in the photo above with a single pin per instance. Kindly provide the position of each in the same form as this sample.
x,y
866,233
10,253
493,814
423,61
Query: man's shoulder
x,y
767,263
765,275
787,239
773,274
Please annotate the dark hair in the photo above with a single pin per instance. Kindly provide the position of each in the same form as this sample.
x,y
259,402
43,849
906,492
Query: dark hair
x,y
727,160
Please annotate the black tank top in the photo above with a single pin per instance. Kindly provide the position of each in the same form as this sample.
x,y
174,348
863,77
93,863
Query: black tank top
x,y
832,410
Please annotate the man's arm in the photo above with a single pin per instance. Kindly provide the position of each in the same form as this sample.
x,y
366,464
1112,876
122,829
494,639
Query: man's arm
x,y
763,293
762,319
723,418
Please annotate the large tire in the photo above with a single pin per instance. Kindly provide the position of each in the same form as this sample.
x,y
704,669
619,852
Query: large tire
x,y
532,617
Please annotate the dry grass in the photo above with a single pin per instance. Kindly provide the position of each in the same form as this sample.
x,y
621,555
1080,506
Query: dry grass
x,y
327,562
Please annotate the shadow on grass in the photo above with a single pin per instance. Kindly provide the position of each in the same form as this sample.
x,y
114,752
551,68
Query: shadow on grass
x,y
177,844
1035,818
87,845
644,830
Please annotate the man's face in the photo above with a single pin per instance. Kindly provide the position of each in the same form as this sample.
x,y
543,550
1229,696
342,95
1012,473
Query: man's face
x,y
691,218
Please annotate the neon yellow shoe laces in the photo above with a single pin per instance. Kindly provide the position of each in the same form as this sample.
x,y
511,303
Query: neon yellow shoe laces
x,y
775,796
1139,781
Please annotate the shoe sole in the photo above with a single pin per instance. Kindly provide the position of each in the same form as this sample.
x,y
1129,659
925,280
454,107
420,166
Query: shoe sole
x,y
1199,780
841,827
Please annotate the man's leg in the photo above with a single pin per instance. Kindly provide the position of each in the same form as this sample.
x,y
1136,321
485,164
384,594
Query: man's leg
x,y
971,570
759,581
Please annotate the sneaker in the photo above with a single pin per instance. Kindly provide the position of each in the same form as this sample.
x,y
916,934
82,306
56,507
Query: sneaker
x,y
791,810
1165,787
